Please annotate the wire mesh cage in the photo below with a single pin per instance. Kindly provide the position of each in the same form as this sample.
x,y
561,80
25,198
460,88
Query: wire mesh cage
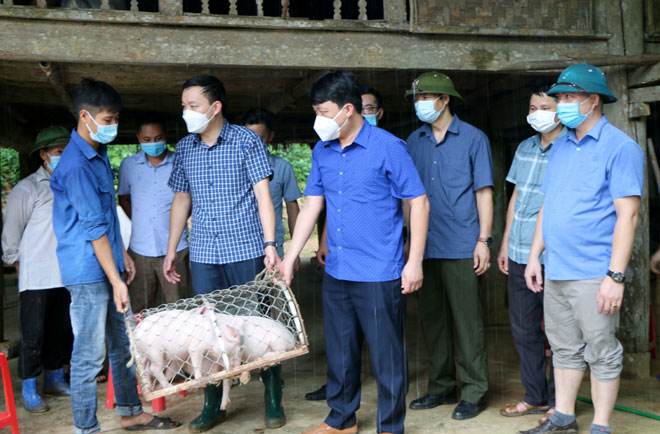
x,y
217,336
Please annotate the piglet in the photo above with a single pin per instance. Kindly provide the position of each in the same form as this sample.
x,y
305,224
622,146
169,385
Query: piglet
x,y
169,338
262,337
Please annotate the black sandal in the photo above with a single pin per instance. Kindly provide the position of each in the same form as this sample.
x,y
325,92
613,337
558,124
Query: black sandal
x,y
156,423
101,377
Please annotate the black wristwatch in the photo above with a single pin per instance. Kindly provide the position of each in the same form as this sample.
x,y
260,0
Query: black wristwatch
x,y
616,276
270,243
488,241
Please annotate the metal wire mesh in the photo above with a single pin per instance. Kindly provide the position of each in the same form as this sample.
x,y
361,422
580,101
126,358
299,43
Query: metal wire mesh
x,y
210,337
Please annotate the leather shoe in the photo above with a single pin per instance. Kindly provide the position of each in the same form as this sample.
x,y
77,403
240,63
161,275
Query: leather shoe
x,y
431,401
317,395
548,426
324,428
467,410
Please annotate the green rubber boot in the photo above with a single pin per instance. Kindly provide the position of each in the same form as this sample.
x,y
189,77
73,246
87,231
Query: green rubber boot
x,y
272,378
211,413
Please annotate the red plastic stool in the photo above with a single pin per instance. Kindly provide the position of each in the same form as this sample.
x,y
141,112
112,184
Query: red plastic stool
x,y
158,404
8,418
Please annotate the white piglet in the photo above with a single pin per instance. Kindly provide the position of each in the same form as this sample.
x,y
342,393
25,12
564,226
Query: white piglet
x,y
167,339
262,337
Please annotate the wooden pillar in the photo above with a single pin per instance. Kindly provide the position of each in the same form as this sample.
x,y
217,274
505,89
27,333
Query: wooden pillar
x,y
625,23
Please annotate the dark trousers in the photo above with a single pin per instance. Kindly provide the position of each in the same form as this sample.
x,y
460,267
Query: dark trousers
x,y
46,337
449,305
375,311
209,277
526,316
149,277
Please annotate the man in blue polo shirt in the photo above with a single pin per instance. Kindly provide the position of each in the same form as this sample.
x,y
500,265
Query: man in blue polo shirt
x,y
92,258
586,226
283,186
454,161
361,173
221,176
146,199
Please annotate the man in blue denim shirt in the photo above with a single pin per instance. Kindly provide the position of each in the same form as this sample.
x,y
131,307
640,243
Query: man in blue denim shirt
x,y
92,257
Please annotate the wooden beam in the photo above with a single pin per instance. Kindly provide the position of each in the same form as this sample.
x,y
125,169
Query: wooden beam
x,y
645,75
635,60
54,78
45,40
645,94
639,110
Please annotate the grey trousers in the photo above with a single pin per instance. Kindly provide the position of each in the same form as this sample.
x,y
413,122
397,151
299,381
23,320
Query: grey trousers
x,y
577,333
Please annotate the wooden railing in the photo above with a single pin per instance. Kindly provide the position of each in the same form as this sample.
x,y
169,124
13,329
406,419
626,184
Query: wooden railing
x,y
566,18
386,10
337,15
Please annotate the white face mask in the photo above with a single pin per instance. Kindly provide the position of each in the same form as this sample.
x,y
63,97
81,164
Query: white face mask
x,y
327,128
196,122
542,121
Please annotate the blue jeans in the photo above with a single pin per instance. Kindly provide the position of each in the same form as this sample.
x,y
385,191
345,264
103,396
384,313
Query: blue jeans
x,y
94,319
209,277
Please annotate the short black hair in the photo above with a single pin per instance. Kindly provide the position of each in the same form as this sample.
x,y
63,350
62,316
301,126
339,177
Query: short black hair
x,y
256,116
542,90
374,92
151,118
212,89
96,96
340,87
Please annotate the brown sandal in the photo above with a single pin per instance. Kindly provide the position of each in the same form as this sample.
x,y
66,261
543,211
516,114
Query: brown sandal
x,y
547,415
522,408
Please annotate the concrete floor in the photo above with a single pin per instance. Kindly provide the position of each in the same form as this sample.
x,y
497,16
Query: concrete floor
x,y
308,372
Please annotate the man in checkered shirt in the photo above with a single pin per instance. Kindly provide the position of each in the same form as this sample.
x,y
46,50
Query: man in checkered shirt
x,y
221,174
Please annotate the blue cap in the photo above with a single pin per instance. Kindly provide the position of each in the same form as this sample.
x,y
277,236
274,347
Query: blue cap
x,y
583,78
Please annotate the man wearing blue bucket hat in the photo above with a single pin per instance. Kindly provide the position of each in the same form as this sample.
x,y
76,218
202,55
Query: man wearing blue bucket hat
x,y
586,227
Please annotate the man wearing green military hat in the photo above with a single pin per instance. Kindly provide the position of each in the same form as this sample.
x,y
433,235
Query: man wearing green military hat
x,y
28,243
586,227
454,161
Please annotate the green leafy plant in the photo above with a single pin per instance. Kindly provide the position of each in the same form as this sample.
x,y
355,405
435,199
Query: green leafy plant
x,y
9,172
117,153
300,157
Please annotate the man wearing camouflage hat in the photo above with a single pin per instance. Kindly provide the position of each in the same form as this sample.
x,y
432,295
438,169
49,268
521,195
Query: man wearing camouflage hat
x,y
28,243
454,161
586,226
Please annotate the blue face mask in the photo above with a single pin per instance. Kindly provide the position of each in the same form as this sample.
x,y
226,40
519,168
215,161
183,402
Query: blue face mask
x,y
371,119
104,133
54,161
425,111
569,113
154,149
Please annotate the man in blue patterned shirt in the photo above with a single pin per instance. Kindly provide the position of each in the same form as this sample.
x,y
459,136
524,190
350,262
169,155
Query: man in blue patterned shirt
x,y
221,173
361,173
526,307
